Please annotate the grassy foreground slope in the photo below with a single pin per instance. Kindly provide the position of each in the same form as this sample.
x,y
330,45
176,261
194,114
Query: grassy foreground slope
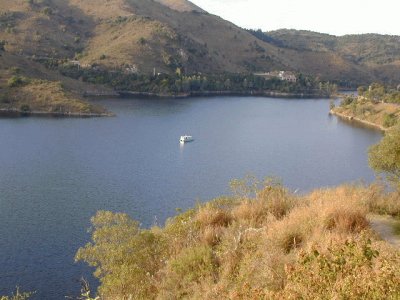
x,y
264,243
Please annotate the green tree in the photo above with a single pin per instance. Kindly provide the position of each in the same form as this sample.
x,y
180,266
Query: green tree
x,y
376,92
384,157
2,44
361,90
126,258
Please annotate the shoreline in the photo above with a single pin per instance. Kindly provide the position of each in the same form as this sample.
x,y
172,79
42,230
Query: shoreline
x,y
365,122
220,93
13,112
18,113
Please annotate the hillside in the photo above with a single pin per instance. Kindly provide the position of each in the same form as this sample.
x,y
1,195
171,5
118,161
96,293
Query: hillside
x,y
376,54
167,34
142,36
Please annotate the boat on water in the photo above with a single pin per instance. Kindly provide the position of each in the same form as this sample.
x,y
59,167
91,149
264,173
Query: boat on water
x,y
186,138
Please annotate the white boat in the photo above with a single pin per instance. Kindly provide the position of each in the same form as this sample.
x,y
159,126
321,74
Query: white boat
x,y
186,138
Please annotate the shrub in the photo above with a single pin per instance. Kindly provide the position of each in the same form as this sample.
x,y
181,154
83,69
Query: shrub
x,y
292,231
142,41
15,70
25,108
389,120
5,98
384,157
194,267
350,270
126,257
210,216
378,201
47,11
2,45
17,81
347,101
346,219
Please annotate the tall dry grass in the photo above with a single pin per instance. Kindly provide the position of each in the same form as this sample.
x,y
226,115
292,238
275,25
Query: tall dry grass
x,y
268,243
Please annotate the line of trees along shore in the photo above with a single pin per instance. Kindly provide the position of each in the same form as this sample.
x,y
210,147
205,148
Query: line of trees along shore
x,y
179,83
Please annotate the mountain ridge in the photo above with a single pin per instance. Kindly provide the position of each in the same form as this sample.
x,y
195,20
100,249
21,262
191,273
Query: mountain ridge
x,y
166,36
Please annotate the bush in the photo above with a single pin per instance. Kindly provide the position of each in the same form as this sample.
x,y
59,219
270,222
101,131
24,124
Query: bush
x,y
17,81
346,220
25,108
384,157
350,270
5,98
347,101
47,11
126,257
142,41
379,202
2,45
389,120
192,268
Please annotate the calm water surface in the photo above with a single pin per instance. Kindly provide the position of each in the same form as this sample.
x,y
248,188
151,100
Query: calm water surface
x,y
56,173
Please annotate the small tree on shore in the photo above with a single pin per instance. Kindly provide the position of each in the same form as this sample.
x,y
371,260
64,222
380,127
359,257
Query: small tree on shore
x,y
384,157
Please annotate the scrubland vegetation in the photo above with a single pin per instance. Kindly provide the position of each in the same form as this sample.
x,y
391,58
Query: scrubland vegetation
x,y
25,95
264,242
376,104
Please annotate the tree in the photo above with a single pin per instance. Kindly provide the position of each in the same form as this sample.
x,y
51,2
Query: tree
x,y
384,157
126,258
361,90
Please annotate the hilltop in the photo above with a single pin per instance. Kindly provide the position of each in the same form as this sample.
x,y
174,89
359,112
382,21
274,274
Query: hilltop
x,y
142,37
376,56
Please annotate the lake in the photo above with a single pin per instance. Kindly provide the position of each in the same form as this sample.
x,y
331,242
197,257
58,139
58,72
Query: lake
x,y
56,173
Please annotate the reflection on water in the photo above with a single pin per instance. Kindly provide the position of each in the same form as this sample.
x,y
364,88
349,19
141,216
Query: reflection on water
x,y
56,173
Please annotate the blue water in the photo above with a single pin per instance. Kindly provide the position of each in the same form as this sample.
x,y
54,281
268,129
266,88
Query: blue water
x,y
56,173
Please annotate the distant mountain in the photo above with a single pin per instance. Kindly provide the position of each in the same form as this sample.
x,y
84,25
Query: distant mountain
x,y
374,54
144,36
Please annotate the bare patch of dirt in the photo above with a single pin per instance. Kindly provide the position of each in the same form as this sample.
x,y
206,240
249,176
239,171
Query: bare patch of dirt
x,y
385,227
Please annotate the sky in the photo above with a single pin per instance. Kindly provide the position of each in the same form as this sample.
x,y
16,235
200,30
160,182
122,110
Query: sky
x,y
336,17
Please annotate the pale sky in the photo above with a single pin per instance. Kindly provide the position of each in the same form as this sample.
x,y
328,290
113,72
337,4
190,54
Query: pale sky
x,y
336,17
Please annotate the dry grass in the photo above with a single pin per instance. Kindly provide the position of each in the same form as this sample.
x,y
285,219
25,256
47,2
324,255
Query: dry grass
x,y
276,246
180,5
346,220
211,216
380,202
374,113
46,97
